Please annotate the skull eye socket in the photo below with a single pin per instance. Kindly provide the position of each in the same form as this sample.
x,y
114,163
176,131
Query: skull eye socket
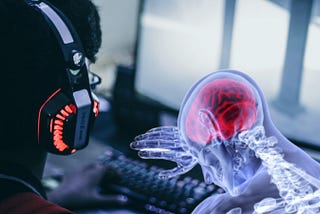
x,y
229,117
238,118
228,121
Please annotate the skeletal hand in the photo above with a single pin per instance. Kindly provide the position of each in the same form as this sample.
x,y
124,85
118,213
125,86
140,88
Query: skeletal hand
x,y
165,143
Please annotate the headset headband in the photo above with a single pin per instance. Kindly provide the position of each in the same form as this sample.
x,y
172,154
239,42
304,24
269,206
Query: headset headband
x,y
67,37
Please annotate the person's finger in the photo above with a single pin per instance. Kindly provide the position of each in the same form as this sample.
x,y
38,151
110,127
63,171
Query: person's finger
x,y
87,168
101,171
106,200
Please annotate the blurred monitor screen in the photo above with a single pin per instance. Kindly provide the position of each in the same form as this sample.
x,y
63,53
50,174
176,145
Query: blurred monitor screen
x,y
180,41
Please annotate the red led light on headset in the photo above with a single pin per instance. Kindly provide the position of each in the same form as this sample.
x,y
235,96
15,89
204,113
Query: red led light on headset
x,y
41,108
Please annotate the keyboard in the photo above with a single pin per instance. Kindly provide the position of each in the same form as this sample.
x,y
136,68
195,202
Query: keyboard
x,y
140,182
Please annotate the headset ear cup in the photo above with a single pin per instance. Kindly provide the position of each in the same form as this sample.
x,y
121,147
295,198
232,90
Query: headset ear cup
x,y
55,123
66,117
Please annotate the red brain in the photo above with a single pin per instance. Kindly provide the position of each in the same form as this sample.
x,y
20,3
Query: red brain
x,y
227,106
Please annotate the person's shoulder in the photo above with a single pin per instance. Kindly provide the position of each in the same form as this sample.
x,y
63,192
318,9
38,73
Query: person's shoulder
x,y
30,203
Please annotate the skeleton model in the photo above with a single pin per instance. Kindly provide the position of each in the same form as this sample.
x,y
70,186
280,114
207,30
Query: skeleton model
x,y
224,125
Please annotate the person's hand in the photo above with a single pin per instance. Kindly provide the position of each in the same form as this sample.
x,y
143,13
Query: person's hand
x,y
165,143
80,189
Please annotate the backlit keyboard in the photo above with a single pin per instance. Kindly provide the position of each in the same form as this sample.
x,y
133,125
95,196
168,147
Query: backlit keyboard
x,y
152,194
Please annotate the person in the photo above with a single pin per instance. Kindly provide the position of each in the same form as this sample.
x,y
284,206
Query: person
x,y
224,125
34,40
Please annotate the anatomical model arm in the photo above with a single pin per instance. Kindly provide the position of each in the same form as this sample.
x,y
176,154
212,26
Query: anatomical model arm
x,y
224,126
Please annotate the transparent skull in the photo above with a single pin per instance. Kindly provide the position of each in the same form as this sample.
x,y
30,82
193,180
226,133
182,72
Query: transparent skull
x,y
213,113
215,110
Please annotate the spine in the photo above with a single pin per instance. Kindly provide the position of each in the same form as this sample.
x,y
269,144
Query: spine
x,y
294,184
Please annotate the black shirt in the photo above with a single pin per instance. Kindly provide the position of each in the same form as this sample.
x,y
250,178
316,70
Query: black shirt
x,y
15,179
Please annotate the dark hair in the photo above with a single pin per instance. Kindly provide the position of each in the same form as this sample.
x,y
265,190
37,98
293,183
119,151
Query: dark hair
x,y
30,59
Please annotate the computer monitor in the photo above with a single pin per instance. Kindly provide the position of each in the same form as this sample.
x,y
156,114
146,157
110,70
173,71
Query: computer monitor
x,y
181,41
178,43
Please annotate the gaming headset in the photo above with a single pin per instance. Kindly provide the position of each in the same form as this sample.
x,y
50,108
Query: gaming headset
x,y
66,117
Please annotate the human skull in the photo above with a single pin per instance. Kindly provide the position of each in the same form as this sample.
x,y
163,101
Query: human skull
x,y
215,110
